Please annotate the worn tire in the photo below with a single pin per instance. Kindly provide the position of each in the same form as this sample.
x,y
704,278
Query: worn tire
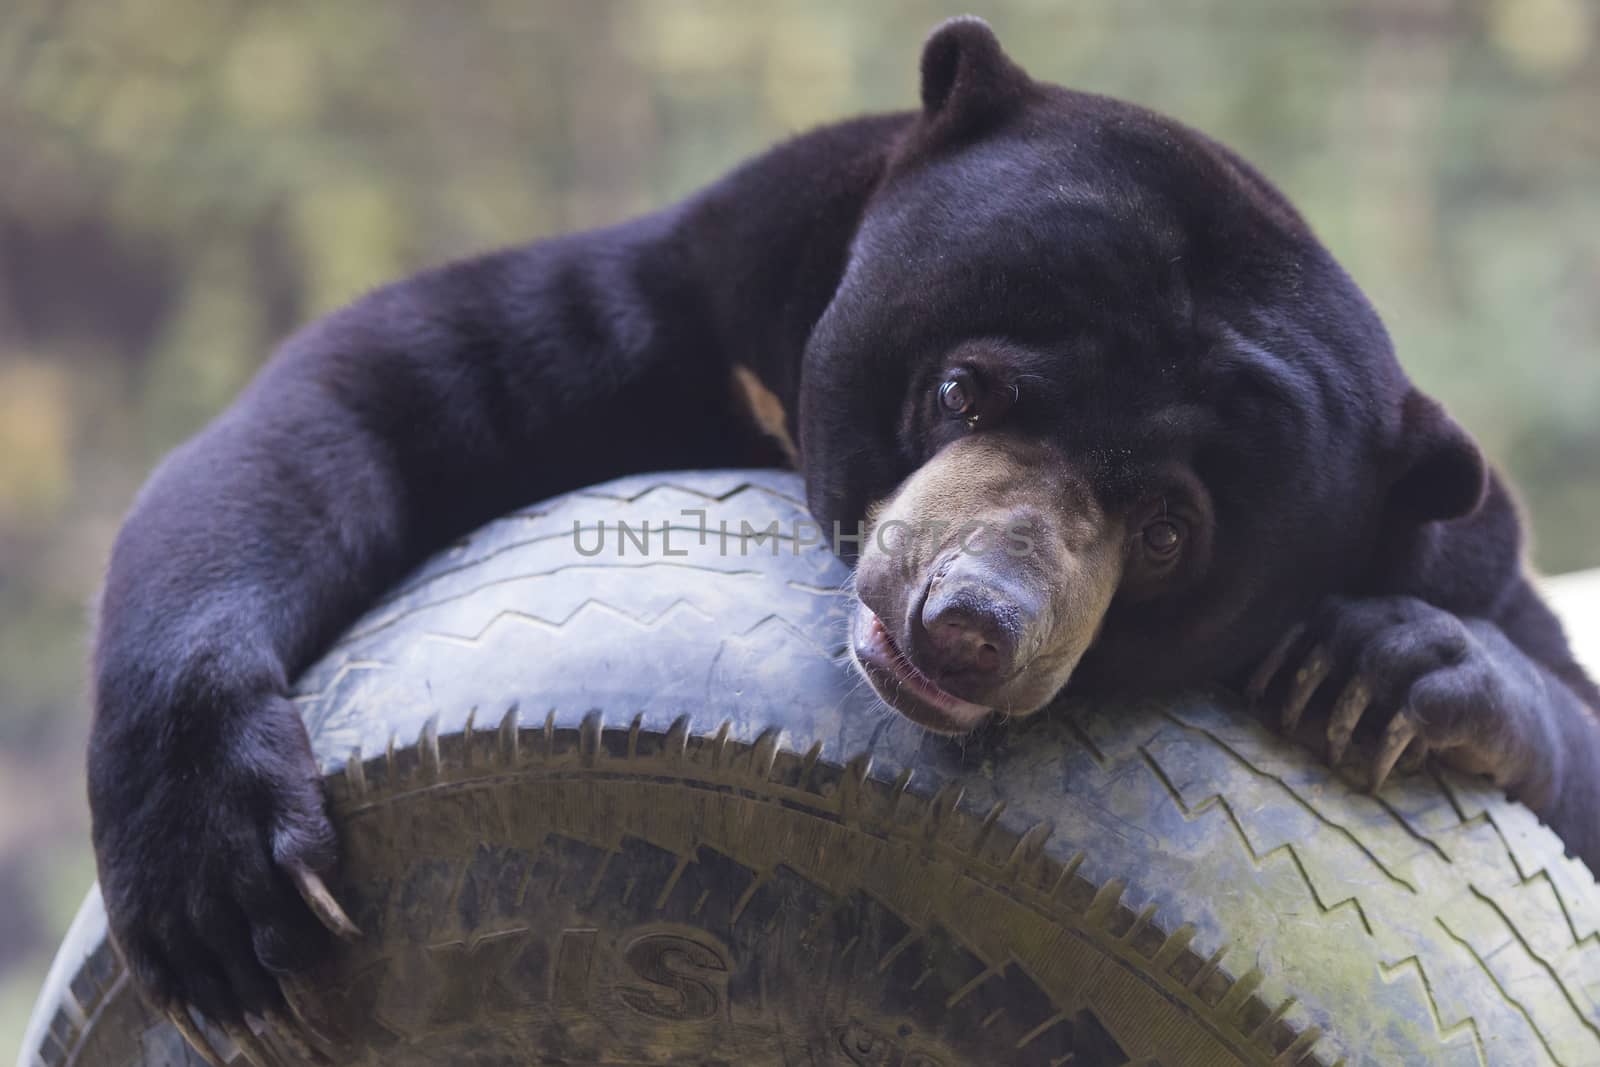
x,y
633,810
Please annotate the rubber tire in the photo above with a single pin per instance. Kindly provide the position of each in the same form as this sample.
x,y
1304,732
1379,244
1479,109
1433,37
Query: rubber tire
x,y
635,810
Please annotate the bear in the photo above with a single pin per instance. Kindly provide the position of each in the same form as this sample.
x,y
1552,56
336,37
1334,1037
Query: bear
x,y
1107,417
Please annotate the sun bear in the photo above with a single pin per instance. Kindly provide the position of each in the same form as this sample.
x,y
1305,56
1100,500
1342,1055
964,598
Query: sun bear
x,y
1129,424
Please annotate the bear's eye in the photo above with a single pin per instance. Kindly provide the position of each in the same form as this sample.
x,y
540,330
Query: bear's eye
x,y
969,395
960,395
1163,539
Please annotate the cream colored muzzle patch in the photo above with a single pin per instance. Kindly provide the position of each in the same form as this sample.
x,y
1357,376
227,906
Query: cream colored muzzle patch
x,y
1000,510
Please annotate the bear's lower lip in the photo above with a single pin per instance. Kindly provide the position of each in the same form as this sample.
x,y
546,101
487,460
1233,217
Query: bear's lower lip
x,y
904,688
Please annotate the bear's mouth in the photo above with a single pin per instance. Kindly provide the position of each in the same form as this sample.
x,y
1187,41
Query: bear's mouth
x,y
899,683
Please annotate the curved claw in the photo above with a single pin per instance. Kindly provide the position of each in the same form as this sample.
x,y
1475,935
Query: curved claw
x,y
1345,716
252,1048
1307,680
322,903
1396,738
1270,666
181,1022
296,1031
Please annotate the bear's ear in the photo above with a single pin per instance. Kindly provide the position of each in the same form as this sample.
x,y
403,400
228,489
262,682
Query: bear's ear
x,y
1439,472
967,79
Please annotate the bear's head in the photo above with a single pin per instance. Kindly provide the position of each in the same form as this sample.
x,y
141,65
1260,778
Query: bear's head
x,y
1110,412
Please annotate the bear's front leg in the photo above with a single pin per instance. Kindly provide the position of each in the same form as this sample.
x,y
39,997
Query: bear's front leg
x,y
1419,680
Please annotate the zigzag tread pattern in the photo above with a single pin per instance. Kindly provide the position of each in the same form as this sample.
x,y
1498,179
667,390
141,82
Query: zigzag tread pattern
x,y
1217,801
1562,1021
449,563
689,490
384,620
1447,1030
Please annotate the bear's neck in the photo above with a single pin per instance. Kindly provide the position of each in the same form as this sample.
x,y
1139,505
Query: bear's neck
x,y
767,245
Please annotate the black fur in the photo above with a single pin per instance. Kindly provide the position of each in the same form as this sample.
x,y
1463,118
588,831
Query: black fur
x,y
1166,305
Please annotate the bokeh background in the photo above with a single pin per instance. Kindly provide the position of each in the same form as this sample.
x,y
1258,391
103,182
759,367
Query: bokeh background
x,y
184,181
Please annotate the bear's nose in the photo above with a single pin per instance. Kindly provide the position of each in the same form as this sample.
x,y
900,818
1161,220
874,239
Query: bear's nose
x,y
972,629
967,642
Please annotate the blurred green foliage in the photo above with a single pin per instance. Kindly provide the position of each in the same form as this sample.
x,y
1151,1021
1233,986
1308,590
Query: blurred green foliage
x,y
185,181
